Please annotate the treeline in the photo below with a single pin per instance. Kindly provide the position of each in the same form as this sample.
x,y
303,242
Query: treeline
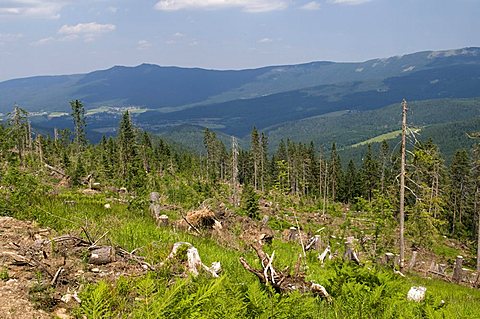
x,y
441,199
126,160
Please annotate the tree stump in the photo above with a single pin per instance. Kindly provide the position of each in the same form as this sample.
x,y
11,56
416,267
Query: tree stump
x,y
154,197
413,261
322,256
390,259
292,234
102,255
350,253
313,243
155,210
457,270
162,221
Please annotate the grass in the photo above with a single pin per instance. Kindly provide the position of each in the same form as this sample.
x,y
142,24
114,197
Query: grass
x,y
383,137
358,291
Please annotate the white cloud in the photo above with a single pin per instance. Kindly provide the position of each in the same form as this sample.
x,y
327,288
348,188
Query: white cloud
x,y
86,28
265,40
311,6
349,2
88,31
43,41
178,35
9,38
32,8
143,45
245,5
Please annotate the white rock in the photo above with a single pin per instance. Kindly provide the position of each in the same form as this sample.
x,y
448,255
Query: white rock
x,y
416,293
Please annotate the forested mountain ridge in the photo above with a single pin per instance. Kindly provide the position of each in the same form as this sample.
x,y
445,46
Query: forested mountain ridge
x,y
173,88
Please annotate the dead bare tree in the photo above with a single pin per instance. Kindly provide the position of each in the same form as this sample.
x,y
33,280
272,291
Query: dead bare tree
x,y
402,185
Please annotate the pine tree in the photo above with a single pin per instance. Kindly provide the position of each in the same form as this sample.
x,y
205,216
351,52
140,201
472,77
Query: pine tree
x,y
350,186
127,147
18,124
256,153
78,115
370,173
263,161
335,171
459,191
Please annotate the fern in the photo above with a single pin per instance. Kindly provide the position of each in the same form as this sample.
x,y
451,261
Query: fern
x,y
96,302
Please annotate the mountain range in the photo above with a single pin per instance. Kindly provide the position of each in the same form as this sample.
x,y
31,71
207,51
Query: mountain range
x,y
281,100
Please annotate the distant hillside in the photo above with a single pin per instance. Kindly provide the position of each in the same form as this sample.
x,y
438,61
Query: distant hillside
x,y
171,88
239,116
324,102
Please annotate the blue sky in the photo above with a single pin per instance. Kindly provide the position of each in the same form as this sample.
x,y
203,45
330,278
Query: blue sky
x,y
42,37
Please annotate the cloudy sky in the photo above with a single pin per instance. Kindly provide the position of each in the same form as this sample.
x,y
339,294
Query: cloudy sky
x,y
77,36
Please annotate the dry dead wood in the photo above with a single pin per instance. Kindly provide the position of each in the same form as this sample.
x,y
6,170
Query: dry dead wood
x,y
194,262
101,255
282,281
56,170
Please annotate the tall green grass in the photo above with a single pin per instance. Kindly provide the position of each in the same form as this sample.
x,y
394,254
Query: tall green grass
x,y
357,291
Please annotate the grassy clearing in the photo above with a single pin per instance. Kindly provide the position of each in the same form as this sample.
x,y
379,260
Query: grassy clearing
x,y
358,291
383,137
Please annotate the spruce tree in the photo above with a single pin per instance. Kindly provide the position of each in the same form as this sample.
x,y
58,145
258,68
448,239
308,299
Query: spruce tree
x,y
78,115
459,191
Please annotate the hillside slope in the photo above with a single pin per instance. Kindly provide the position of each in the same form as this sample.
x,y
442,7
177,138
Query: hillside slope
x,y
173,88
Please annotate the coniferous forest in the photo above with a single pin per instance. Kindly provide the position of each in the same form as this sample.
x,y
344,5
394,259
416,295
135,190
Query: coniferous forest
x,y
298,202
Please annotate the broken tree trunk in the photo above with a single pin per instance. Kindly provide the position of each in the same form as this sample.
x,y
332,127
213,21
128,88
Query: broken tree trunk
x,y
413,261
194,262
102,255
282,282
457,270
390,259
350,253
323,255
162,220
313,243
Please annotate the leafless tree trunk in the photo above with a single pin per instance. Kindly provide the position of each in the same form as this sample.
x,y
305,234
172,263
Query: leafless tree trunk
x,y
402,185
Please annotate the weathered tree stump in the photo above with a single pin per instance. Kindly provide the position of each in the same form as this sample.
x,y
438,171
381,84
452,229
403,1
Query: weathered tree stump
x,y
413,261
162,221
265,220
154,198
322,256
194,262
390,259
155,210
457,270
350,253
313,243
101,255
265,239
291,234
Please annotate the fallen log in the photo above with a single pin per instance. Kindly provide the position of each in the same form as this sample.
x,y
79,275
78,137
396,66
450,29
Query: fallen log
x,y
56,170
282,282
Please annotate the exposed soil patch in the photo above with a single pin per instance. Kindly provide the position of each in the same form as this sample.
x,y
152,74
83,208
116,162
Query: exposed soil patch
x,y
38,268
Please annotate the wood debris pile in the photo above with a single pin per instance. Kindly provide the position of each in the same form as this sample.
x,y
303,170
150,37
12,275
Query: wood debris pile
x,y
282,281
